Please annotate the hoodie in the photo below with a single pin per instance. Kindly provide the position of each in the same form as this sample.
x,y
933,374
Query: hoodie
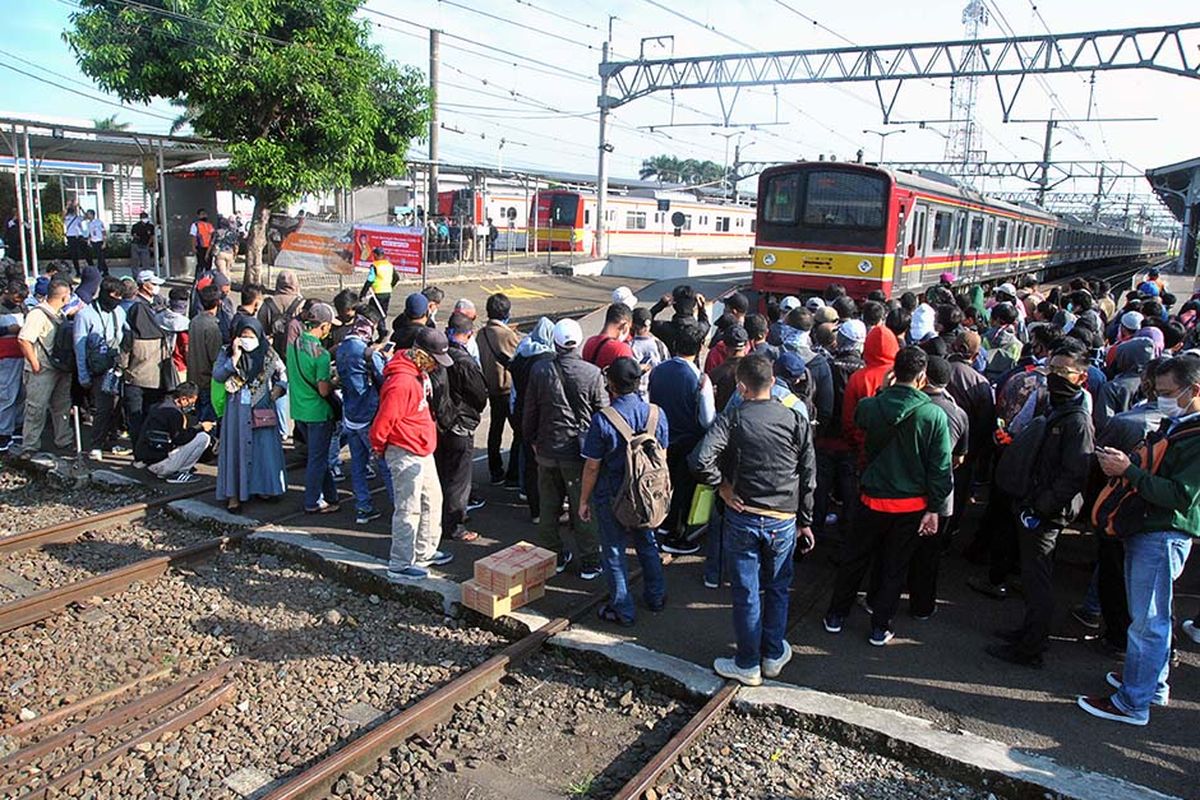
x,y
907,448
1120,393
879,354
404,418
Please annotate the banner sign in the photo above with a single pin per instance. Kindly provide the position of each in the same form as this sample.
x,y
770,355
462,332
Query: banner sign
x,y
401,246
305,244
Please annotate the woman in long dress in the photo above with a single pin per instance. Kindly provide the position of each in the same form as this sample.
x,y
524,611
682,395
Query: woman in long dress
x,y
250,458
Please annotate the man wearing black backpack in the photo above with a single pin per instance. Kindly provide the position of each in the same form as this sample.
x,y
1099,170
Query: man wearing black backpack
x,y
99,327
606,464
46,342
1046,470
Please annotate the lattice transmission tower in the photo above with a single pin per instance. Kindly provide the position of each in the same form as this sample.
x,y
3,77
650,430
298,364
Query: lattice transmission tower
x,y
961,144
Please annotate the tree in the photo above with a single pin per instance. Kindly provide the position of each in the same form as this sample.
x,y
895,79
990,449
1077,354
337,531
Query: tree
x,y
109,123
669,169
295,89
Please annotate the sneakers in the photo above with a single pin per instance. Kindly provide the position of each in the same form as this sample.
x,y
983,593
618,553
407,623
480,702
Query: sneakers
x,y
183,477
711,584
1009,653
524,498
413,573
1103,708
95,455
728,668
997,591
589,572
1191,630
497,480
1114,680
771,667
5,443
881,636
564,558
535,520
120,450
365,515
370,472
679,546
475,503
833,623
438,559
865,605
338,474
1088,619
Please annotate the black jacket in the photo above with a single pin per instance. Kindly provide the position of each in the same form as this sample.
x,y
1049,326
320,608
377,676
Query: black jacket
x,y
666,331
765,450
1063,464
975,396
459,394
842,365
556,417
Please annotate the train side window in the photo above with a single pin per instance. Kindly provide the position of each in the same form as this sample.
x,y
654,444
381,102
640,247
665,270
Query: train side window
x,y
942,224
587,216
753,226
635,220
976,233
919,224
989,231
1001,234
1037,237
722,224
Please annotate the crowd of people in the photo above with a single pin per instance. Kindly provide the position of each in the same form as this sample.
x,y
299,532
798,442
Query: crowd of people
x,y
864,429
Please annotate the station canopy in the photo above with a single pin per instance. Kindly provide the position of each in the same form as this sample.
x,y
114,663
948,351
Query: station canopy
x,y
1177,185
65,148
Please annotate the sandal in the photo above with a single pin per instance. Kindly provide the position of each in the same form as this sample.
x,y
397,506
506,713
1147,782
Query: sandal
x,y
609,614
233,507
464,536
328,508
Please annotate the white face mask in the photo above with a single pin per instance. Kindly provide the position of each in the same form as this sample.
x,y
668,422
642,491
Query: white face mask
x,y
155,288
1169,406
249,344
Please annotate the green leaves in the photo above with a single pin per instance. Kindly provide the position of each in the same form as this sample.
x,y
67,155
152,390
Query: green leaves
x,y
295,87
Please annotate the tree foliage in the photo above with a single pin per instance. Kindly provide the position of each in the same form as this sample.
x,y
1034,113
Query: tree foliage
x,y
303,99
109,123
669,169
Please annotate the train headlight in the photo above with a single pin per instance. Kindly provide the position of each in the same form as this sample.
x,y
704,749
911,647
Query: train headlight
x,y
865,266
768,259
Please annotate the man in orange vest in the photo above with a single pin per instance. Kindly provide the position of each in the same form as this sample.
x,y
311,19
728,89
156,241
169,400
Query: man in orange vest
x,y
202,236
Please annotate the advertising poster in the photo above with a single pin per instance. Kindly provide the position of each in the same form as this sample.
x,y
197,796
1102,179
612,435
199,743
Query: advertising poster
x,y
306,244
402,246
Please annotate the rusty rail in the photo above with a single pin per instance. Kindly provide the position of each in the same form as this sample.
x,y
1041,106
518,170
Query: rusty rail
x,y
66,712
681,741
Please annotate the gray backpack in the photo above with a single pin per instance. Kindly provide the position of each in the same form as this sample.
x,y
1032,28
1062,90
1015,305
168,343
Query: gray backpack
x,y
645,494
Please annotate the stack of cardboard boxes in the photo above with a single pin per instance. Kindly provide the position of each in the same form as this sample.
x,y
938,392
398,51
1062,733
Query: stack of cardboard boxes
x,y
508,579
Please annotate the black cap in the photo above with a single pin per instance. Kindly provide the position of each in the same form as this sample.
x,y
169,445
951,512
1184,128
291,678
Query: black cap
x,y
435,343
736,336
624,374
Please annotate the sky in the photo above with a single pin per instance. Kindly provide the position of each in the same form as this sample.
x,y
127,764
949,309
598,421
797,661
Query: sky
x,y
507,111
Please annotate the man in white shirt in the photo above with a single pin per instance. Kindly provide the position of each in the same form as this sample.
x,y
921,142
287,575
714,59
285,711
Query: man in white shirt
x,y
97,234
75,227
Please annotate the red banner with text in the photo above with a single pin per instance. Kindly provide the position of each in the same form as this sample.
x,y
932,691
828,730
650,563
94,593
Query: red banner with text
x,y
401,246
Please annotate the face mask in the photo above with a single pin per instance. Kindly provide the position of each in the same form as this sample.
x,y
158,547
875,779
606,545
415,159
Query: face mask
x,y
108,302
1169,406
1061,389
249,344
155,289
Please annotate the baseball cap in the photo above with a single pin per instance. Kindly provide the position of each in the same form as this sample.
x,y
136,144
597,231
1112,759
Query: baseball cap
x,y
825,314
623,294
148,276
435,343
220,280
946,277
567,333
853,330
735,336
788,303
416,305
789,366
41,286
1132,320
1007,288
320,313
813,303
625,374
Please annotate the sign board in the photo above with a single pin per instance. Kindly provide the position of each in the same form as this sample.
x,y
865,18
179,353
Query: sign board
x,y
664,205
305,244
512,213
678,218
401,246
150,173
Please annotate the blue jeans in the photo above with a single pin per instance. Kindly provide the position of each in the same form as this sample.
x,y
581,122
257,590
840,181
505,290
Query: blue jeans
x,y
318,481
612,560
1152,563
360,456
754,546
714,545
337,438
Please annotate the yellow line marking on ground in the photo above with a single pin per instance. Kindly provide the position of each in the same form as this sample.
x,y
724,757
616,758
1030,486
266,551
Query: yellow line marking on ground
x,y
518,292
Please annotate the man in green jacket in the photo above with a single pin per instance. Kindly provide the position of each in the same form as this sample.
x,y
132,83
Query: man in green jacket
x,y
906,480
1156,555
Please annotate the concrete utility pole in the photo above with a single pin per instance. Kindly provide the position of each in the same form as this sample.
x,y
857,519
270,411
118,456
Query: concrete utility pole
x,y
598,248
434,60
1099,195
1048,145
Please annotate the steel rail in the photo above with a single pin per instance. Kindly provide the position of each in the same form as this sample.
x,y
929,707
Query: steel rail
x,y
23,729
675,747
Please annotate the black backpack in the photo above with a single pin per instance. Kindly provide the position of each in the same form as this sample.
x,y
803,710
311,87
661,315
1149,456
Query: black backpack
x,y
61,355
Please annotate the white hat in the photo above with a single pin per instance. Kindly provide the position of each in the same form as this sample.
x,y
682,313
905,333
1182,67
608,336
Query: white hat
x,y
1007,288
567,333
788,303
1132,320
623,294
853,330
148,276
813,303
922,323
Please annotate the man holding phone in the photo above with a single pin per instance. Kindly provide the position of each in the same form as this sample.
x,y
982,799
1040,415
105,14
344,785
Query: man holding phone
x,y
360,363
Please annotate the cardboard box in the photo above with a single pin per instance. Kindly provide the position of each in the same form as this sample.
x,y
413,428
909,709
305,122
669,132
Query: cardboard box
x,y
512,569
491,605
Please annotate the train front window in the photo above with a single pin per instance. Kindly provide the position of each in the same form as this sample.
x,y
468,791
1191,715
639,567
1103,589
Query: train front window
x,y
845,200
563,208
783,199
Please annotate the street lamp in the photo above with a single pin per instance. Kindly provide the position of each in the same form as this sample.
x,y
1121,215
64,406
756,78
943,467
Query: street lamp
x,y
731,184
883,138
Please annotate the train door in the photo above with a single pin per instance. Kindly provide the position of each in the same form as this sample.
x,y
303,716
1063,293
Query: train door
x,y
908,269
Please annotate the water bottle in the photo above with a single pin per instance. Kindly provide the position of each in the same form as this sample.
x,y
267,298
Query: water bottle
x,y
1029,519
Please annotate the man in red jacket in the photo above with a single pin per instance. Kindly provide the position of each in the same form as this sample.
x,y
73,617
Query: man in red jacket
x,y
405,434
879,353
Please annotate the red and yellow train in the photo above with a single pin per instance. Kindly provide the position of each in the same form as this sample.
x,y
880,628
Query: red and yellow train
x,y
869,228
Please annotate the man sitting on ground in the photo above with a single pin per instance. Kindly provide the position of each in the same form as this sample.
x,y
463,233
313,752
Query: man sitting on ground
x,y
167,444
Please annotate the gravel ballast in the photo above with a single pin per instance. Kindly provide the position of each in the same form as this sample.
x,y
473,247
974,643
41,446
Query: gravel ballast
x,y
321,663
28,502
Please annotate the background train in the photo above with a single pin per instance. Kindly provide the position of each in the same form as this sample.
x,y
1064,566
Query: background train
x,y
869,228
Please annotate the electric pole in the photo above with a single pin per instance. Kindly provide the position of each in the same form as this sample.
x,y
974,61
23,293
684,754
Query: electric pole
x,y
434,60
598,248
1044,180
